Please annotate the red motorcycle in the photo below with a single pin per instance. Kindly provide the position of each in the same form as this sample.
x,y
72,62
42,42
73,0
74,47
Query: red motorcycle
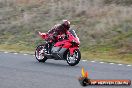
x,y
65,49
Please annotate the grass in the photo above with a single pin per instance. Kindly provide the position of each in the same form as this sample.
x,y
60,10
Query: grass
x,y
108,57
108,53
17,48
101,54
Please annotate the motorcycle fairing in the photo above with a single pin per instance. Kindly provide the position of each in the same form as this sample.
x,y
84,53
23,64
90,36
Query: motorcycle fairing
x,y
58,52
64,44
72,49
55,49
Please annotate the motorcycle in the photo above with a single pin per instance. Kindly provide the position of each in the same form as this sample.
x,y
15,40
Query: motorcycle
x,y
64,49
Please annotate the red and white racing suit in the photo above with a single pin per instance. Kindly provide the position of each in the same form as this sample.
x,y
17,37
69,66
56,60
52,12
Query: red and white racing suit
x,y
58,29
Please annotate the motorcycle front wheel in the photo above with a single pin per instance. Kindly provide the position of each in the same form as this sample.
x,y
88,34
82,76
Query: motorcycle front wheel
x,y
39,53
74,59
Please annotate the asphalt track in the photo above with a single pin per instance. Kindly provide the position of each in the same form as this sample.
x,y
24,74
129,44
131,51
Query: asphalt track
x,y
23,71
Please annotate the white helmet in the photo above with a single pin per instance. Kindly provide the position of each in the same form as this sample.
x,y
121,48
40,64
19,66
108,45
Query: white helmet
x,y
66,23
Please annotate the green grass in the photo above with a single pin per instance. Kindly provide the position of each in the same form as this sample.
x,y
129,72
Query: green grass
x,y
17,48
108,57
100,54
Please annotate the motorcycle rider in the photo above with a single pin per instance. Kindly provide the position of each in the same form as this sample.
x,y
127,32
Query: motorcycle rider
x,y
58,29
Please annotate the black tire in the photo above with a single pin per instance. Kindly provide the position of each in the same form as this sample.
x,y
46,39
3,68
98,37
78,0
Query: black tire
x,y
38,49
77,59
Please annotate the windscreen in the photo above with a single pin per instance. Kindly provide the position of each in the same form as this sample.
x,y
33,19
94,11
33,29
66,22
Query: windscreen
x,y
73,33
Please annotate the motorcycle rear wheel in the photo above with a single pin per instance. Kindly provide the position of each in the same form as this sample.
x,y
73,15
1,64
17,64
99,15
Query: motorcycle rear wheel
x,y
39,53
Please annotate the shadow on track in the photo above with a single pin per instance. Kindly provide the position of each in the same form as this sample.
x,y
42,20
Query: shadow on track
x,y
56,64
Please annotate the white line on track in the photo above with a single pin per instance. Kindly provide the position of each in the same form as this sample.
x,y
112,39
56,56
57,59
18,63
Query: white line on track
x,y
84,60
25,54
101,62
15,53
129,65
120,64
111,63
93,61
5,52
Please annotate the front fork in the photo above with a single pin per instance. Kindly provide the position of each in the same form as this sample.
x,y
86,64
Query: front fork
x,y
72,50
48,47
